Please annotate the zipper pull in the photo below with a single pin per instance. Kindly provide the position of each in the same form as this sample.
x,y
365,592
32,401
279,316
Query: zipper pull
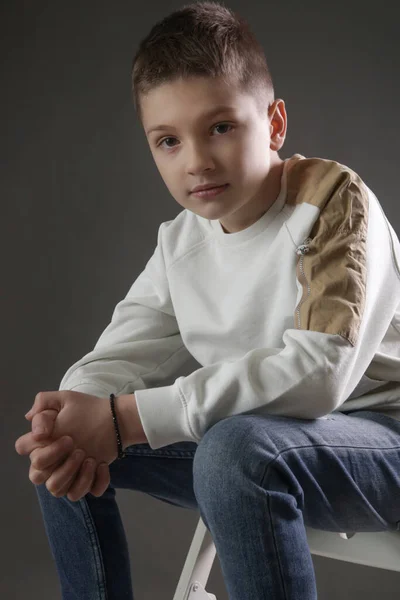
x,y
304,247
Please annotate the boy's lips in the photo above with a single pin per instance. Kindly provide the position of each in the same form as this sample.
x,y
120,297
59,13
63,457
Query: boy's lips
x,y
210,192
206,186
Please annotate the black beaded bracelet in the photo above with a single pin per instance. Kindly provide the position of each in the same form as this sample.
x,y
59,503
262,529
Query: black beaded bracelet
x,y
121,453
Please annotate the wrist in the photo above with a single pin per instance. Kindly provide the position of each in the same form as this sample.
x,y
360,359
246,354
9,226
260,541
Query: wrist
x,y
129,423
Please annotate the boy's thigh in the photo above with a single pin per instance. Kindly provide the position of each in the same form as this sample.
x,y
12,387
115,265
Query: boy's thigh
x,y
165,473
345,469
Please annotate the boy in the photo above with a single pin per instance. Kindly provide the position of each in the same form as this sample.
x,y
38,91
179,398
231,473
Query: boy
x,y
282,281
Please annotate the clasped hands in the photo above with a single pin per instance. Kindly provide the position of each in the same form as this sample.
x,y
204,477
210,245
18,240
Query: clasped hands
x,y
76,426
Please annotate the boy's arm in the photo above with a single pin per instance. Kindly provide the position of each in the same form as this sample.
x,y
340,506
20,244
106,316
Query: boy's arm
x,y
129,423
140,348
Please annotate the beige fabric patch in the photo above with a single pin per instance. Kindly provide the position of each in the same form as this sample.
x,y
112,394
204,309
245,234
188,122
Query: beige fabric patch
x,y
335,269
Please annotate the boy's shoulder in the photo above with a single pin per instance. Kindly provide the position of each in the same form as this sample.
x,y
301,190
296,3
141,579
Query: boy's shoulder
x,y
301,169
183,233
314,180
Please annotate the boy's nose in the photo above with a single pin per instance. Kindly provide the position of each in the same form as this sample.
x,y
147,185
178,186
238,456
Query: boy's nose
x,y
199,160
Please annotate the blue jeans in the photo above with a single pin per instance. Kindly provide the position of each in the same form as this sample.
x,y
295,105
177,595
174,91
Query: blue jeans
x,y
256,481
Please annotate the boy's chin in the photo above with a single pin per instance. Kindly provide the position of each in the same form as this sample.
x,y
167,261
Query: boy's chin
x,y
211,213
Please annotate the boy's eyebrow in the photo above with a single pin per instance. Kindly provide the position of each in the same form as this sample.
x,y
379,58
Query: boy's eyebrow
x,y
211,113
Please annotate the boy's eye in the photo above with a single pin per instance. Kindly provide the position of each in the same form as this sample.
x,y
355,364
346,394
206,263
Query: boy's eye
x,y
164,140
160,143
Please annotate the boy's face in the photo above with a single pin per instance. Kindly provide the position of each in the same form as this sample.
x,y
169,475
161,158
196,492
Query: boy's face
x,y
236,147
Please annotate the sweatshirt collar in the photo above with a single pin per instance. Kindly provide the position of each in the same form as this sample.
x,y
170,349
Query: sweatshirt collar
x,y
230,239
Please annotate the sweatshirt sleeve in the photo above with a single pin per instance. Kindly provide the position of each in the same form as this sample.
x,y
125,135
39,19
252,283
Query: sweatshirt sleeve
x,y
141,347
350,293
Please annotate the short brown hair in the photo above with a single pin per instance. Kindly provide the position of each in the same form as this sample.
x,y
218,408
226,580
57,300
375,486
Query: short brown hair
x,y
204,39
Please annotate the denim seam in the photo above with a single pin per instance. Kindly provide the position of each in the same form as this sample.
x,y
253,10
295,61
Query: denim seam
x,y
276,545
98,558
320,446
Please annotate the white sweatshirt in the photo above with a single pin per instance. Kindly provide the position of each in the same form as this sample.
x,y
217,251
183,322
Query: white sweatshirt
x,y
296,315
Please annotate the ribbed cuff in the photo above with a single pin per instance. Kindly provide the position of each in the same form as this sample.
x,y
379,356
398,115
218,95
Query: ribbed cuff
x,y
164,416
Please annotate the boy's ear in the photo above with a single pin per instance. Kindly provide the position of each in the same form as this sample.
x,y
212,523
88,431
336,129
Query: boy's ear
x,y
278,123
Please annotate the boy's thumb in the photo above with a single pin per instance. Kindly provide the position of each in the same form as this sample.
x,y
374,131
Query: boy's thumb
x,y
43,422
46,400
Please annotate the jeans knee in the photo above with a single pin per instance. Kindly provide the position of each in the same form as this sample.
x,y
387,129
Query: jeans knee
x,y
226,455
217,443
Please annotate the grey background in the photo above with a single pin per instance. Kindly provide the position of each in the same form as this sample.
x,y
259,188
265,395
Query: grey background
x,y
81,202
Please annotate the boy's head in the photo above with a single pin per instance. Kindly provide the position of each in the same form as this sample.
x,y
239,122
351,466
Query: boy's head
x,y
197,59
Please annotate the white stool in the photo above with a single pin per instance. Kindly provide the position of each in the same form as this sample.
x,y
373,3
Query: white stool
x,y
377,549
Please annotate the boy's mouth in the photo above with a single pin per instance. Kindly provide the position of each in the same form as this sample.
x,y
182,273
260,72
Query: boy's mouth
x,y
209,191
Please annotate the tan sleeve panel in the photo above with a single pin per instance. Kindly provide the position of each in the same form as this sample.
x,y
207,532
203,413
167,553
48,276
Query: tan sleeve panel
x,y
335,267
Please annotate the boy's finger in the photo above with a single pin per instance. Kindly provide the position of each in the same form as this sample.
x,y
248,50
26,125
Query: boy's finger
x,y
21,444
39,477
45,456
26,443
66,474
62,470
83,482
43,422
101,481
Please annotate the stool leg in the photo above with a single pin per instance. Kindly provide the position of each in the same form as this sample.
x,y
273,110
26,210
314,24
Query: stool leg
x,y
197,567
